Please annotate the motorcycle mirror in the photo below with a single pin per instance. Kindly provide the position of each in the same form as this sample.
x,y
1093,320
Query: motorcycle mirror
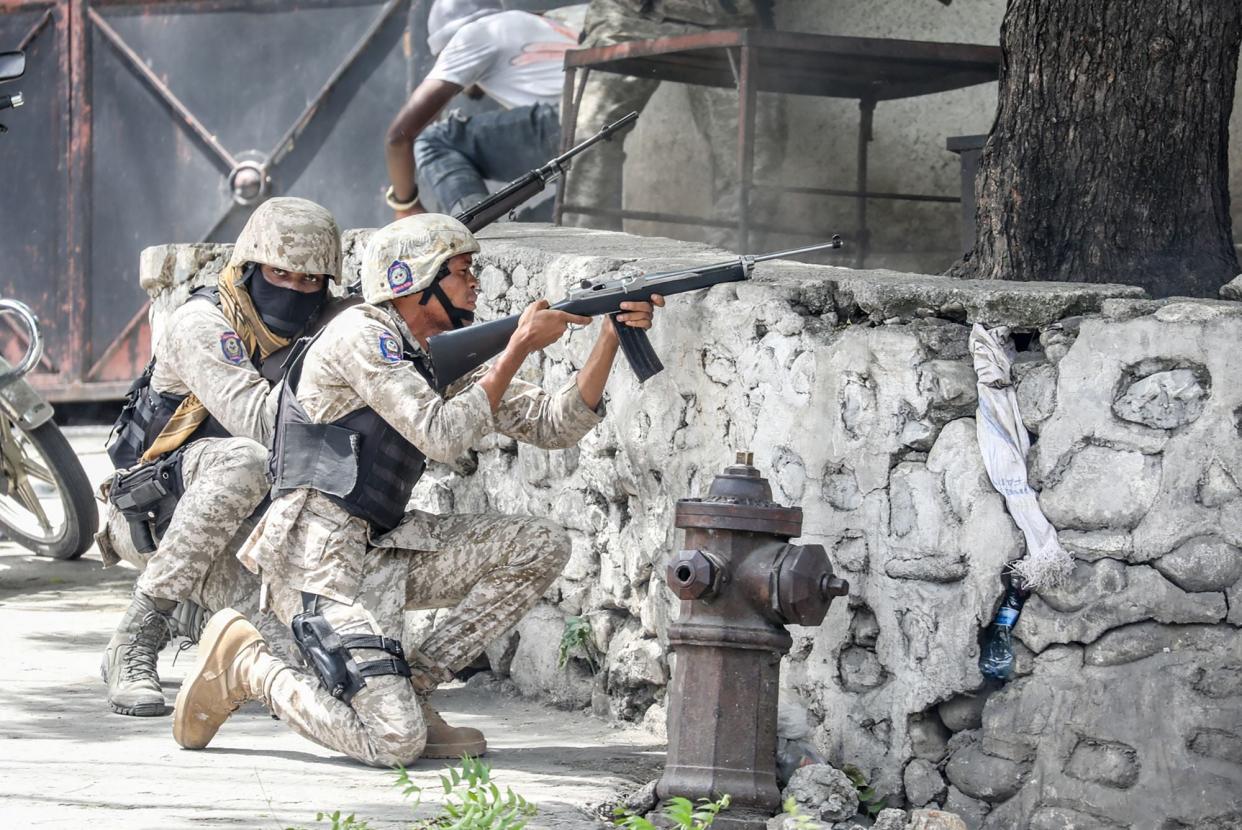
x,y
12,65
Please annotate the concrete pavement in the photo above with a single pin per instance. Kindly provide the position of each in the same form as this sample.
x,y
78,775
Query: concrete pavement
x,y
67,761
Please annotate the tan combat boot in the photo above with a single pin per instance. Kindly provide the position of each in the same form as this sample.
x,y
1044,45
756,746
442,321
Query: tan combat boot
x,y
233,664
129,661
444,741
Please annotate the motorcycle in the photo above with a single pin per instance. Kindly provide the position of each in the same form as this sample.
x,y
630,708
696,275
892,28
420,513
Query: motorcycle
x,y
46,503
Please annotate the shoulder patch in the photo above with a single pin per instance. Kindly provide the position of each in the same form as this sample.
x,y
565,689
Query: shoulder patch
x,y
400,278
231,345
389,348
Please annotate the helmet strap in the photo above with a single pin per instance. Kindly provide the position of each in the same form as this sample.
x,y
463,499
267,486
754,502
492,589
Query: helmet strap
x,y
459,317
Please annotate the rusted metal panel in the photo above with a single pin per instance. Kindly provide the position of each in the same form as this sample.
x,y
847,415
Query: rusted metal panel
x,y
32,200
137,115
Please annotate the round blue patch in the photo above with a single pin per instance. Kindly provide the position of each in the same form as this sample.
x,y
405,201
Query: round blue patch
x,y
389,348
399,277
233,348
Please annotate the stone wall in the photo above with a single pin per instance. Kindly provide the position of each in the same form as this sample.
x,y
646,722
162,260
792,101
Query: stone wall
x,y
855,392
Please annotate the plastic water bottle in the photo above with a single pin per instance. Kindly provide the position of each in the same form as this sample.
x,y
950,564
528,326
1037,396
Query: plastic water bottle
x,y
996,656
791,755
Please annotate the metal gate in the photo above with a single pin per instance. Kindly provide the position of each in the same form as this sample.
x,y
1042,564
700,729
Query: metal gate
x,y
165,121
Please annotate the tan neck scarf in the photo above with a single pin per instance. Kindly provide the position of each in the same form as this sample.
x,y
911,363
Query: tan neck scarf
x,y
239,311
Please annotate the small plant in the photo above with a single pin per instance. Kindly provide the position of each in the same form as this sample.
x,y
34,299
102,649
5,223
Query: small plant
x,y
340,822
682,811
577,637
472,801
800,819
869,802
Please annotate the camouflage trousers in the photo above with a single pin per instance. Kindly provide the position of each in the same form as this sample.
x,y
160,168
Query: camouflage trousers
x,y
596,178
224,480
489,569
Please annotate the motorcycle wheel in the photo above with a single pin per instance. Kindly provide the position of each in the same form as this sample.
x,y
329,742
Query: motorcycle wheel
x,y
46,503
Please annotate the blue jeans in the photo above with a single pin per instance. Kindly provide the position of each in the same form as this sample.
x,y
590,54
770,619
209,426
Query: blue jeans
x,y
456,155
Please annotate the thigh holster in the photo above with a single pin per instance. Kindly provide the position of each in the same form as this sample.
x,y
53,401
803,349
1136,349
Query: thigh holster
x,y
147,497
328,653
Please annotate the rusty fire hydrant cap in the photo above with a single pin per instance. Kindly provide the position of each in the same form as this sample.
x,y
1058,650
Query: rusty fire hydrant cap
x,y
693,574
740,499
804,585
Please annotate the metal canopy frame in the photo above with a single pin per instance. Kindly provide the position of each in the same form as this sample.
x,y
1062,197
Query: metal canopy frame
x,y
868,70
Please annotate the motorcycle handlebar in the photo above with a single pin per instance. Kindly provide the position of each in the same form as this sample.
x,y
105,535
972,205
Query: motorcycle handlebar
x,y
35,348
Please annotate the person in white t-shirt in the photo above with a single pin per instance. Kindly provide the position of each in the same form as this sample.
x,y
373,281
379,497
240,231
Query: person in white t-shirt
x,y
514,57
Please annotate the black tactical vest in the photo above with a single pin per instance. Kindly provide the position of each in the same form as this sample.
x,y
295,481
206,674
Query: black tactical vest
x,y
359,461
146,412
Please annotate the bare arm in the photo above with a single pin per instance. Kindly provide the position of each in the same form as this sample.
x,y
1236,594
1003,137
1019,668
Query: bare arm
x,y
594,374
555,420
424,105
538,327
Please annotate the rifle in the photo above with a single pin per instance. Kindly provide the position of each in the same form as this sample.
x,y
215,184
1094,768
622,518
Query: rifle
x,y
532,184
455,353
521,190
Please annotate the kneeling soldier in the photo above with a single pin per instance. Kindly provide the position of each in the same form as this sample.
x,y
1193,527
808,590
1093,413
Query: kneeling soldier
x,y
339,556
191,443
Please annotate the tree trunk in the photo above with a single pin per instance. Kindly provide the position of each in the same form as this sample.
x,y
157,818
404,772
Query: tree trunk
x,y
1108,160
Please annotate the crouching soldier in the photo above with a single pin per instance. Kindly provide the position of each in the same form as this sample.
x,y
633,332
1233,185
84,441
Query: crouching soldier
x,y
191,442
339,556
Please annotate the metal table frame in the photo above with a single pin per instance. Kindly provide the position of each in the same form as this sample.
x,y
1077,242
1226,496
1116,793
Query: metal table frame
x,y
761,60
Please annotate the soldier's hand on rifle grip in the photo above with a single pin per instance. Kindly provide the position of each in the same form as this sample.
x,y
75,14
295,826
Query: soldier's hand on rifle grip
x,y
636,315
541,326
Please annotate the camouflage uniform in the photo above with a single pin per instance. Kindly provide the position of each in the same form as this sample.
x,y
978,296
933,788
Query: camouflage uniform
x,y
595,179
489,568
204,357
225,479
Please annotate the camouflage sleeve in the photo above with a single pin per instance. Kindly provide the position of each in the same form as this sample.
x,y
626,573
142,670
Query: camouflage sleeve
x,y
208,357
552,421
369,360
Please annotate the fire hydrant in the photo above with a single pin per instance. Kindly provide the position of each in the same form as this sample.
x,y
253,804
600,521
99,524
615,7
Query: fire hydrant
x,y
740,583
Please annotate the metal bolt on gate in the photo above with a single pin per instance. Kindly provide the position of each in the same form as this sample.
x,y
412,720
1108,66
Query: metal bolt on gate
x,y
741,583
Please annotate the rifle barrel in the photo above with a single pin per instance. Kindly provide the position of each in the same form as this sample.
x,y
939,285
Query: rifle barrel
x,y
835,243
605,132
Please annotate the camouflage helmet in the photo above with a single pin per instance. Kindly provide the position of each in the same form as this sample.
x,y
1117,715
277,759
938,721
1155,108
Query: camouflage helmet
x,y
405,257
292,234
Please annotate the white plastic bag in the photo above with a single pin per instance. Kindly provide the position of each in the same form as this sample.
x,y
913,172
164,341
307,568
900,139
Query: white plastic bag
x,y
1004,443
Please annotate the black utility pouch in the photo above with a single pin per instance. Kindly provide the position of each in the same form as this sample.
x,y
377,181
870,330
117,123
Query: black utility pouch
x,y
129,436
323,650
147,498
328,652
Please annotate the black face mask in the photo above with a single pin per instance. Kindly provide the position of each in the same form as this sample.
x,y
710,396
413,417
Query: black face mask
x,y
285,311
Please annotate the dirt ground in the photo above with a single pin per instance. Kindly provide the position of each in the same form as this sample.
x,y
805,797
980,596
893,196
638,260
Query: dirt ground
x,y
67,761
